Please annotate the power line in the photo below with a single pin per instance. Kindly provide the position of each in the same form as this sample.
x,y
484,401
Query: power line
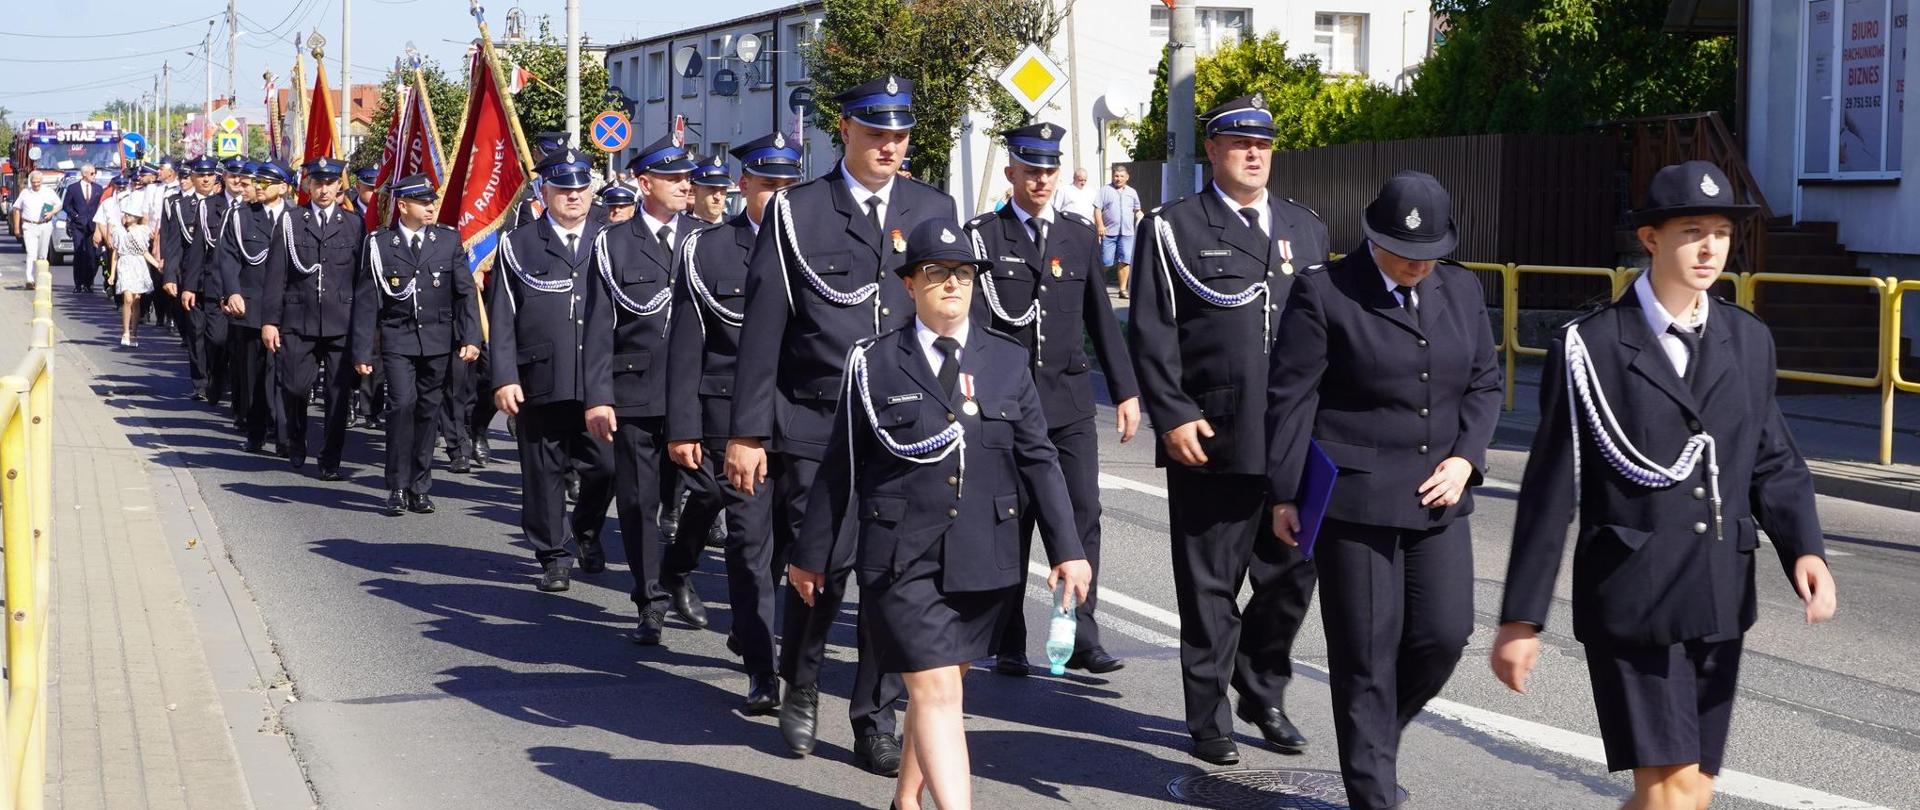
x,y
97,83
99,36
99,58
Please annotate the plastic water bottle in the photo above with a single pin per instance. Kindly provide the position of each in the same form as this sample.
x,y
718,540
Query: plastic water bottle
x,y
1060,632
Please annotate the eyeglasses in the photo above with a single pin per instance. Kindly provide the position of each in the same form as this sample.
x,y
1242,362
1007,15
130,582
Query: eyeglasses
x,y
939,273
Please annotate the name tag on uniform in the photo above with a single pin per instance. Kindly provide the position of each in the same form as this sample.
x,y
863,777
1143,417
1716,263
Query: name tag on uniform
x,y
1014,259
899,398
1213,254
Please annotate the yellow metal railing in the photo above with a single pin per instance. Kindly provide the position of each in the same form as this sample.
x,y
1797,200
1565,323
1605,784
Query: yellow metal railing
x,y
26,523
1888,291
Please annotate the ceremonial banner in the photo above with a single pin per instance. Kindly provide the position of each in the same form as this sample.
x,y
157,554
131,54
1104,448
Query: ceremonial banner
x,y
490,169
413,147
379,212
321,139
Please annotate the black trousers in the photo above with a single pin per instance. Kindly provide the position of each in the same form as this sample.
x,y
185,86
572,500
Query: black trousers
x,y
1223,536
689,539
299,360
463,390
804,629
640,447
416,385
248,373
1397,605
751,577
553,439
86,257
207,348
1079,446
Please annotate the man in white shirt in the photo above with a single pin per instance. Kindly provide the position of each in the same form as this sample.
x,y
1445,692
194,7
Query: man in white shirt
x,y
1076,198
34,212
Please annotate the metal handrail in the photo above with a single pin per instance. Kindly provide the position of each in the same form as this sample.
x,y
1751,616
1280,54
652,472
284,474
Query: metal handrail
x,y
26,523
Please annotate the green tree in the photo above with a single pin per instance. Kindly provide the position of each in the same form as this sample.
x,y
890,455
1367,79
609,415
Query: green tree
x,y
446,95
542,104
1310,107
948,49
6,129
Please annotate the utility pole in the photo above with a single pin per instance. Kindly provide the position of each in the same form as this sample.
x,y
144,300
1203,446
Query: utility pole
x,y
166,109
573,73
233,39
206,114
1073,89
346,77
1180,113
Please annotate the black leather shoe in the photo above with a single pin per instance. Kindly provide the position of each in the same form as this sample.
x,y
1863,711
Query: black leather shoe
x,y
717,534
799,717
593,556
686,603
1274,726
734,646
573,488
1216,750
253,447
1012,665
558,576
482,453
670,517
420,504
298,462
763,694
878,753
460,465
648,633
1096,661
331,474
396,503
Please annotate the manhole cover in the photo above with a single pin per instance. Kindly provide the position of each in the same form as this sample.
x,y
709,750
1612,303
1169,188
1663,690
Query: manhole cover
x,y
1265,790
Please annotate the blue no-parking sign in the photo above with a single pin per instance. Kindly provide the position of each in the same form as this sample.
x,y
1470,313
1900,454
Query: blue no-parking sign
x,y
612,131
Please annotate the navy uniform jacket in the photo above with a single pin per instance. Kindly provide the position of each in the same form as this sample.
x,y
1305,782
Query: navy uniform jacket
x,y
902,507
705,341
177,233
1072,304
795,341
1646,569
1197,359
320,304
443,312
203,225
539,337
626,351
248,232
1387,399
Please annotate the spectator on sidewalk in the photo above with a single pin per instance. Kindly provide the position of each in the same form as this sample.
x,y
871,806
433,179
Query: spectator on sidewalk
x,y
35,210
1076,198
1116,215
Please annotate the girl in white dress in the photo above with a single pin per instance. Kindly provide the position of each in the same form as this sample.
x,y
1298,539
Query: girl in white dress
x,y
133,253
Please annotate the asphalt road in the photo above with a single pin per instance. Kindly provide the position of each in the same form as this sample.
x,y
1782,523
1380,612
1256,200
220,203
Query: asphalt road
x,y
431,674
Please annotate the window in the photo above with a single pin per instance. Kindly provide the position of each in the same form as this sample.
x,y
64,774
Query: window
x,y
759,75
1856,53
656,76
798,36
1213,28
1341,42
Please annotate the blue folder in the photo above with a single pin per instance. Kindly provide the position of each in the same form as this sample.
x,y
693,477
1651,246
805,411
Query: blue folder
x,y
1316,491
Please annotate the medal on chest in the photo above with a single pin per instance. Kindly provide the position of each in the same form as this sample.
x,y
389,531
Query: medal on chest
x,y
1286,257
970,407
436,279
899,241
1055,263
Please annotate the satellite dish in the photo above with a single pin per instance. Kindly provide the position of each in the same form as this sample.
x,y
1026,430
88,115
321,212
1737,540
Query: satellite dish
x,y
747,47
687,61
1120,99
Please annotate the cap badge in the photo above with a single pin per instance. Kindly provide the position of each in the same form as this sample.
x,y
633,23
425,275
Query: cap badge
x,y
1413,220
1046,131
893,86
1708,187
1259,101
779,141
719,161
946,236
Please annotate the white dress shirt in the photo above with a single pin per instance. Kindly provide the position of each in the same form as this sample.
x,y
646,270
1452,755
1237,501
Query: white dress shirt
x,y
1074,200
30,203
1045,215
577,231
927,336
323,213
1388,280
861,193
1658,319
1260,206
407,235
654,226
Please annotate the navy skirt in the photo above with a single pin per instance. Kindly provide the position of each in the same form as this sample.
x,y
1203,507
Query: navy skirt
x,y
916,625
1670,705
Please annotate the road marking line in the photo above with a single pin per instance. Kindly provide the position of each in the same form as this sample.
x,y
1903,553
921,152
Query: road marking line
x,y
1525,732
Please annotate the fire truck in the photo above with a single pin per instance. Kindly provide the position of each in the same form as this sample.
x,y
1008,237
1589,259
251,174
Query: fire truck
x,y
55,153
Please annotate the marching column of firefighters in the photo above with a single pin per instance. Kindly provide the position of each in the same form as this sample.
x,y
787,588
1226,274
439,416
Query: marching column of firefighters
x,y
843,383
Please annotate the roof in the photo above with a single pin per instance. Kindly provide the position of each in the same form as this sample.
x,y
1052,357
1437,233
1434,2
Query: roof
x,y
769,14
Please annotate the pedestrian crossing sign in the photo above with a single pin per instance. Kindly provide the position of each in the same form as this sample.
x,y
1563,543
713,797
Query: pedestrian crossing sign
x,y
1033,78
227,144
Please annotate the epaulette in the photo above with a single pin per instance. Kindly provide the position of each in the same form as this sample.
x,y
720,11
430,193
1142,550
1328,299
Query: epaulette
x,y
1304,207
1003,336
444,227
1077,219
982,219
1316,269
869,341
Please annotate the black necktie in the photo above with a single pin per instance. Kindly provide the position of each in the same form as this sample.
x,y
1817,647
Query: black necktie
x,y
416,246
1690,337
1252,217
949,350
573,246
1407,302
665,237
1039,235
873,215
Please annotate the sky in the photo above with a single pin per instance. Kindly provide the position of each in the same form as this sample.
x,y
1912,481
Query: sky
x,y
62,59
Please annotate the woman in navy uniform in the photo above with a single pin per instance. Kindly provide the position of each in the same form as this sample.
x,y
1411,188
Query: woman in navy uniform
x,y
629,301
1210,272
417,292
939,432
1047,291
705,347
1389,366
312,269
1658,423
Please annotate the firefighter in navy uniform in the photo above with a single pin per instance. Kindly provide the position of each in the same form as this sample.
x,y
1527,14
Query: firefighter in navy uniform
x,y
709,305
1047,291
820,280
416,296
185,253
1211,272
369,397
312,271
242,262
536,306
629,301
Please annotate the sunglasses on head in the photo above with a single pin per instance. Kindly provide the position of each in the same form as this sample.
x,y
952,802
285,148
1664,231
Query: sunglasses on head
x,y
939,273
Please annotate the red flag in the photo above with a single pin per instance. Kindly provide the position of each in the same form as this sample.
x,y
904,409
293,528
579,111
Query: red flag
x,y
321,140
490,169
413,147
377,213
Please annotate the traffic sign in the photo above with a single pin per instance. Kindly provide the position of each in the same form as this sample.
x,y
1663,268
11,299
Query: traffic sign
x,y
227,144
230,124
1033,79
132,145
800,100
612,131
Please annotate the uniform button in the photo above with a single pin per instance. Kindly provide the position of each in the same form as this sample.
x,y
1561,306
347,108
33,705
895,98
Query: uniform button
x,y
953,513
1039,362
953,481
949,417
1423,449
1423,343
886,311
1423,413
1699,493
1009,511
1043,288
1693,425
1699,528
1043,338
1424,376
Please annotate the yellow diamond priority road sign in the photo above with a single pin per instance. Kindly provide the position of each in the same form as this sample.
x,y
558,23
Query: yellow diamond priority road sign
x,y
1033,79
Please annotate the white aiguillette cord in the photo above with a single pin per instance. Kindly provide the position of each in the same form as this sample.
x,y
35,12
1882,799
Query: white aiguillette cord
x,y
942,444
1583,388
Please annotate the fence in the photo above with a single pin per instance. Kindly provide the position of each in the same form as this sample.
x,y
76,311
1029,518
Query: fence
x,y
1889,292
26,522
